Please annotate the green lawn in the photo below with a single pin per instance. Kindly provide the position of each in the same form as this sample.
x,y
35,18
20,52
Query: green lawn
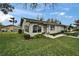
x,y
14,44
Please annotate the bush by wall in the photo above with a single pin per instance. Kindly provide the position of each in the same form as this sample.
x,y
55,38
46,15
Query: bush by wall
x,y
39,36
19,31
26,36
73,34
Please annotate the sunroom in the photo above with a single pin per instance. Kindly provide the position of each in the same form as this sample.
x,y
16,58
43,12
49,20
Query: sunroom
x,y
33,29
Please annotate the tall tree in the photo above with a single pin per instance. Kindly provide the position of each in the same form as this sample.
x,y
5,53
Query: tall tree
x,y
6,8
52,20
45,6
49,20
57,21
41,19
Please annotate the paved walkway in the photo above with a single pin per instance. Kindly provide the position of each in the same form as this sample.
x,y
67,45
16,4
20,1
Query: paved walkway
x,y
73,37
51,36
60,35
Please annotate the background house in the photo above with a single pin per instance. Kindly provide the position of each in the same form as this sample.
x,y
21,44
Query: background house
x,y
9,28
0,28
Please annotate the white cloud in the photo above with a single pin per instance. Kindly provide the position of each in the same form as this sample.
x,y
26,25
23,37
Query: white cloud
x,y
58,13
68,16
54,13
21,12
62,13
4,17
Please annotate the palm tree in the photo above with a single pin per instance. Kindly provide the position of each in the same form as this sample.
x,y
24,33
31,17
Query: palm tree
x,y
13,20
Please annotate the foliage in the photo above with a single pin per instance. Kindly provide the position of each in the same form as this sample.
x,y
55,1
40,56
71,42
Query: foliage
x,y
73,34
6,7
39,36
26,36
53,21
19,31
13,20
33,6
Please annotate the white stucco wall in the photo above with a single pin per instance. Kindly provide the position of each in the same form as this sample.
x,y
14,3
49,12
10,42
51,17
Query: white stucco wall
x,y
23,26
56,29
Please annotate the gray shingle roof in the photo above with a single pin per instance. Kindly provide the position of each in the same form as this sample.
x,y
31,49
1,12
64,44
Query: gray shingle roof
x,y
39,21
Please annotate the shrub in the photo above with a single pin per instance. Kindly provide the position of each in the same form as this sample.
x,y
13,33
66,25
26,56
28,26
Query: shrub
x,y
19,31
39,36
43,33
27,36
72,34
54,34
63,31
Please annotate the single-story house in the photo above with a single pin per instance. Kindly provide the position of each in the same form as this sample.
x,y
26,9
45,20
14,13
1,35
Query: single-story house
x,y
33,27
9,28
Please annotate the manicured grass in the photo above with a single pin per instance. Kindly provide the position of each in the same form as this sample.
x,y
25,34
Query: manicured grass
x,y
15,44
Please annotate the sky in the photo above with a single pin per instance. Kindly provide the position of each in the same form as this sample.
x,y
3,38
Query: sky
x,y
67,13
